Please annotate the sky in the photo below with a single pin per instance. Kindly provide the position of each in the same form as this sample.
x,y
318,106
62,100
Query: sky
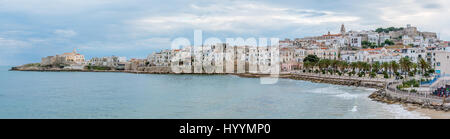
x,y
32,29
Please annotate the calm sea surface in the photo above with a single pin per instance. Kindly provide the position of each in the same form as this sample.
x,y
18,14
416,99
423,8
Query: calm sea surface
x,y
123,95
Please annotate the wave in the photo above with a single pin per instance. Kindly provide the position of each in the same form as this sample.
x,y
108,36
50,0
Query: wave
x,y
328,90
347,96
354,109
400,113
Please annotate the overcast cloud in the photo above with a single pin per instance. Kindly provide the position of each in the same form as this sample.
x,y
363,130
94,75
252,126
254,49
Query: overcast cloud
x,y
31,29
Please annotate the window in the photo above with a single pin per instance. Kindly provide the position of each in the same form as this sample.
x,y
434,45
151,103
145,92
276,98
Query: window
x,y
438,64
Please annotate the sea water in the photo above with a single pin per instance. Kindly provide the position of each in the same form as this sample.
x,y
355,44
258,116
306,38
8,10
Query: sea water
x,y
125,95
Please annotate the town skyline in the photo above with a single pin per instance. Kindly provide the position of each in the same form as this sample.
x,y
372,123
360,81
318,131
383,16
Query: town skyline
x,y
103,28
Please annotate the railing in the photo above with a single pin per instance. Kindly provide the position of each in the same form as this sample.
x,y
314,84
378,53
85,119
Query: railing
x,y
417,95
441,82
343,76
431,81
390,86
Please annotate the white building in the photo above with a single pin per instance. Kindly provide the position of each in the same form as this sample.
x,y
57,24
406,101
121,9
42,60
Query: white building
x,y
442,62
374,37
355,42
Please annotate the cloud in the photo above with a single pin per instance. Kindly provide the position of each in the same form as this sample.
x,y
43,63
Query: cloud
x,y
10,43
65,33
138,27
238,17
144,44
9,48
53,7
426,15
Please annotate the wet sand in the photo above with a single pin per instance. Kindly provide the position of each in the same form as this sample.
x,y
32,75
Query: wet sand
x,y
433,114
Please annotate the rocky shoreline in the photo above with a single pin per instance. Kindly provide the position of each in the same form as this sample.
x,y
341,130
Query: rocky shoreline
x,y
382,96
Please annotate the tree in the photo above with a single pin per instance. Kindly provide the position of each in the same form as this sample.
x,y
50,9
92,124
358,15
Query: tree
x,y
310,61
354,65
324,64
387,30
386,66
335,64
423,65
376,66
306,65
388,42
405,64
360,65
366,43
343,65
414,67
311,58
366,66
394,66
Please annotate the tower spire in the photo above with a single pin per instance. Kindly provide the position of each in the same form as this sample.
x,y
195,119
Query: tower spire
x,y
343,29
74,50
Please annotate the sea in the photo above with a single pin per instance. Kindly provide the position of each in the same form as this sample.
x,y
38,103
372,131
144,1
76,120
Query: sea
x,y
103,95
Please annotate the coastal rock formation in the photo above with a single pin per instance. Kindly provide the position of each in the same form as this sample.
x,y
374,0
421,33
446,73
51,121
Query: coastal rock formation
x,y
382,96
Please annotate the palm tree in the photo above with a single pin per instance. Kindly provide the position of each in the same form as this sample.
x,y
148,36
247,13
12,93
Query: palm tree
x,y
367,67
376,66
360,65
334,65
414,67
342,66
394,66
354,65
423,65
323,64
306,65
386,66
405,65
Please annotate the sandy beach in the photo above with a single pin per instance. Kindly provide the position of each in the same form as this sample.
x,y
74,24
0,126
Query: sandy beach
x,y
433,114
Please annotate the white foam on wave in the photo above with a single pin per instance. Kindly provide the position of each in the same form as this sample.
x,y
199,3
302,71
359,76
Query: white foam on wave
x,y
347,96
327,90
370,89
354,109
336,91
400,113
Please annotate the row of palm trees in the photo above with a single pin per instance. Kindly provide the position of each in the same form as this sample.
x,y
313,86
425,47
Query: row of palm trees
x,y
314,64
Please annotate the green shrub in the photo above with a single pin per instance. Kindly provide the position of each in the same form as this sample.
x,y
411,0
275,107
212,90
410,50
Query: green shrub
x,y
361,74
411,73
32,65
399,87
386,75
373,75
431,71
